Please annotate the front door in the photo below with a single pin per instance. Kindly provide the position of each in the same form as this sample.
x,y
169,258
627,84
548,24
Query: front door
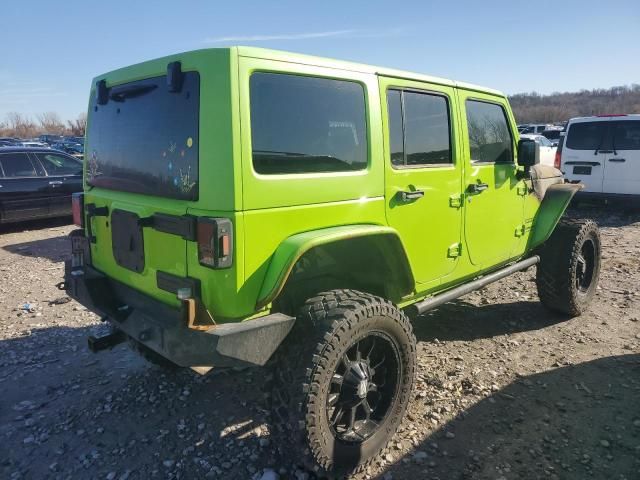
x,y
423,174
494,194
23,188
64,175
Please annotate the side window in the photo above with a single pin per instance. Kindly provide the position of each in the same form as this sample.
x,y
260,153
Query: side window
x,y
307,124
418,128
17,165
489,135
396,133
626,135
59,165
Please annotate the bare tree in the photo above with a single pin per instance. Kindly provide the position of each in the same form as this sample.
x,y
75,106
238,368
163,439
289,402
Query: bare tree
x,y
20,125
533,107
50,122
78,126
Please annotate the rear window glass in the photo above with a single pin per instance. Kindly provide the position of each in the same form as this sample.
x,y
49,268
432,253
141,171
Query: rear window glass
x,y
56,164
626,135
489,135
307,124
145,139
16,165
587,136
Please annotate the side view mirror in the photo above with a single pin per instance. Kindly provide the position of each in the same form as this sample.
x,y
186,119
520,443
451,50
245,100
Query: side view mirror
x,y
528,153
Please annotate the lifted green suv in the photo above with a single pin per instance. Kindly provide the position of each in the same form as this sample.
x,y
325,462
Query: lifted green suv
x,y
245,206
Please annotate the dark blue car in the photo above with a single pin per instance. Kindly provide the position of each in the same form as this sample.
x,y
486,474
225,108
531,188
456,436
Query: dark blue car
x,y
37,183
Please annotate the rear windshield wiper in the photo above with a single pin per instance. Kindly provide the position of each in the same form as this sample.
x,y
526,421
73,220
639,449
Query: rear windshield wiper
x,y
122,93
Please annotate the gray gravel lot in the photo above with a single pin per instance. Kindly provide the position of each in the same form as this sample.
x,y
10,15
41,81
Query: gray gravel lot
x,y
505,389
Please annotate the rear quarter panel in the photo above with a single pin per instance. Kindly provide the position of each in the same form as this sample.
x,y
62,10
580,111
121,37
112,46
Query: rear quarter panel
x,y
278,206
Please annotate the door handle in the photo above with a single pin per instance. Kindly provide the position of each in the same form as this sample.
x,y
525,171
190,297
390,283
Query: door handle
x,y
619,160
409,195
55,183
478,187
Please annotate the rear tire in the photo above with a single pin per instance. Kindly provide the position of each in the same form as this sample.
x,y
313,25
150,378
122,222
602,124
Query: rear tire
x,y
567,276
342,381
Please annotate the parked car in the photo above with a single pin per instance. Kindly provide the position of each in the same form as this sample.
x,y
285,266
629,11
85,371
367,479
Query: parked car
x,y
32,144
603,153
282,208
72,139
553,135
9,142
50,139
75,149
534,128
37,183
547,150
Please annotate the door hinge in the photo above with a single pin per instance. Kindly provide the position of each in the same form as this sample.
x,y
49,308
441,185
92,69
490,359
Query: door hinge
x,y
454,250
455,201
522,189
521,230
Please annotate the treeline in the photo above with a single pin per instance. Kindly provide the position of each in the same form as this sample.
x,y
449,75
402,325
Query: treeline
x,y
527,108
17,125
559,107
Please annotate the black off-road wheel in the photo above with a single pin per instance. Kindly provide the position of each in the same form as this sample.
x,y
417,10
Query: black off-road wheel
x,y
567,276
342,381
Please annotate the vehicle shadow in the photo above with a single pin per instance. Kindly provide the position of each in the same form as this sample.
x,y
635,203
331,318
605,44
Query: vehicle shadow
x,y
35,225
605,215
461,320
575,422
56,249
68,413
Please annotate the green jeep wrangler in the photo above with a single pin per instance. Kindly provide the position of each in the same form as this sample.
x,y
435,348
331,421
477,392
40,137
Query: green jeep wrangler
x,y
245,207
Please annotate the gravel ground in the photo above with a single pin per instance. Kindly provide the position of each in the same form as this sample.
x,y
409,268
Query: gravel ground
x,y
505,389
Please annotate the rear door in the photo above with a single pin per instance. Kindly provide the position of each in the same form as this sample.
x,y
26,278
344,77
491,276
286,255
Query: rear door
x,y
622,169
585,152
142,176
423,180
64,174
23,188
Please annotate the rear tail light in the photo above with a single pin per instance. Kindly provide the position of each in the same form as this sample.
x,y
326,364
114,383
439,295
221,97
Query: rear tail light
x,y
557,161
215,242
77,208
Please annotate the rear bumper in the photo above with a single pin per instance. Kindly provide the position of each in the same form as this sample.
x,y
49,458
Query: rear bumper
x,y
620,198
162,328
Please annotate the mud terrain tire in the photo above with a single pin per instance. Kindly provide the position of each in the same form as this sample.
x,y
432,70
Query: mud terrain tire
x,y
335,357
567,276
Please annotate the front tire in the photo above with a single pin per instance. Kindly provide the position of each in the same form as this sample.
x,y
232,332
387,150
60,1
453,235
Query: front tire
x,y
567,276
343,381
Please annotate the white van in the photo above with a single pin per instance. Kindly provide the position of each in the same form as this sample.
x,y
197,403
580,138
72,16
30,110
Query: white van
x,y
602,152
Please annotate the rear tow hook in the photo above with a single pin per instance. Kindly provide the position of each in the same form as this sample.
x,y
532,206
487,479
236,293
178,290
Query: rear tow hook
x,y
96,344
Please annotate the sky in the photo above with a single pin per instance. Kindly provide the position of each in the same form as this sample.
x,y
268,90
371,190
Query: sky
x,y
52,50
